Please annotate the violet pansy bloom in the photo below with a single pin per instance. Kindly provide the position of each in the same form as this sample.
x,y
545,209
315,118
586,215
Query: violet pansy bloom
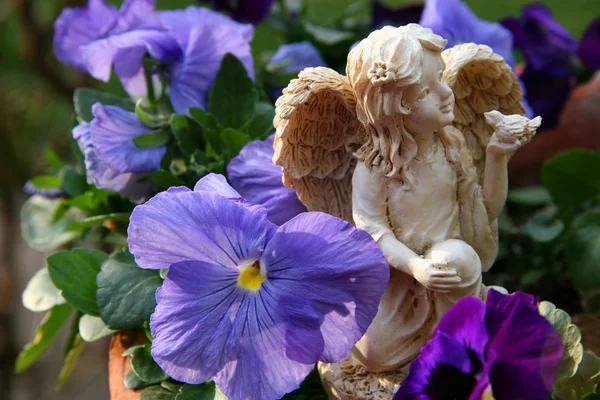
x,y
245,303
253,11
384,15
546,44
455,21
102,176
294,57
49,193
254,175
204,38
503,348
589,46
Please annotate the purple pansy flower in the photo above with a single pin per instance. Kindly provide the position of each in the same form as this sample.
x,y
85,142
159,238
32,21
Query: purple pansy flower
x,y
589,46
546,44
384,15
253,11
204,37
95,37
294,57
455,21
254,175
49,193
504,348
245,303
102,176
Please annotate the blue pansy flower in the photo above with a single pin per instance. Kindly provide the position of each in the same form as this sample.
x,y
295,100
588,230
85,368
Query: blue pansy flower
x,y
502,350
254,175
248,304
294,57
131,185
49,193
455,21
253,11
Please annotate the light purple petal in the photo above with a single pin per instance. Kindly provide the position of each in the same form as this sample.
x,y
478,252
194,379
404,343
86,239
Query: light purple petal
x,y
334,274
79,26
527,348
254,175
206,327
297,56
180,225
101,54
179,23
133,14
113,130
194,75
99,174
217,184
443,368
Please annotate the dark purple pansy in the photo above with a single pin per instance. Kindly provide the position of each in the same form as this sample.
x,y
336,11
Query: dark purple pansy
x,y
102,176
248,304
253,11
503,348
589,46
546,44
384,15
254,175
455,21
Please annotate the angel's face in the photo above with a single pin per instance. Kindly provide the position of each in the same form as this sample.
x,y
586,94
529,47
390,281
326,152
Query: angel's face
x,y
431,101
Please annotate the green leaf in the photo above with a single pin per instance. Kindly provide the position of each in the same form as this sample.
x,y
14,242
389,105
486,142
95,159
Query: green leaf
x,y
543,227
327,36
133,382
46,182
529,196
151,121
154,139
74,273
39,229
261,125
74,348
582,249
234,141
205,391
187,133
126,292
145,367
171,386
53,159
210,127
46,332
73,182
85,98
573,177
162,180
157,392
232,97
40,293
93,328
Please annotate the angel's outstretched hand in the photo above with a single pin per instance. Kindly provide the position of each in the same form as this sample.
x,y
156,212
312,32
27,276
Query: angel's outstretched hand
x,y
435,276
511,132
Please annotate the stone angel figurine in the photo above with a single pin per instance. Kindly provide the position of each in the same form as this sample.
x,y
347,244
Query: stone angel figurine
x,y
411,146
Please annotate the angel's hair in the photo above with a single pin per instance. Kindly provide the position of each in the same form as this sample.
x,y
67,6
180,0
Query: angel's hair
x,y
394,57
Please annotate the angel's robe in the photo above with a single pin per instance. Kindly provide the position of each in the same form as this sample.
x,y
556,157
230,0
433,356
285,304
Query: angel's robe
x,y
432,211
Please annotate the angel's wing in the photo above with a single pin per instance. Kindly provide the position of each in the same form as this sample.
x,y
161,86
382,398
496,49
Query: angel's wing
x,y
481,81
317,133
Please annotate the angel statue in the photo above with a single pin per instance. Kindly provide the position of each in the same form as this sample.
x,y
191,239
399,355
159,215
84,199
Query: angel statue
x,y
411,146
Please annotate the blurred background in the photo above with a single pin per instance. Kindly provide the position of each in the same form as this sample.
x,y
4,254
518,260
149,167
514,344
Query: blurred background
x,y
36,112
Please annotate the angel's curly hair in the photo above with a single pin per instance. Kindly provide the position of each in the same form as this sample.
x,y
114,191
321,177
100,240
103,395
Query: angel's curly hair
x,y
375,63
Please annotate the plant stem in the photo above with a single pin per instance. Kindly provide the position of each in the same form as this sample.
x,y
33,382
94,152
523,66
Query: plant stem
x,y
149,85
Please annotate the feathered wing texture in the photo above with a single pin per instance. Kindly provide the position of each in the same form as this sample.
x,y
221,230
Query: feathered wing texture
x,y
481,81
317,133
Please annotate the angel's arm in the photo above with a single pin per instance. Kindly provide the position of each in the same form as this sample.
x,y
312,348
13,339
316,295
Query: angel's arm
x,y
495,181
369,209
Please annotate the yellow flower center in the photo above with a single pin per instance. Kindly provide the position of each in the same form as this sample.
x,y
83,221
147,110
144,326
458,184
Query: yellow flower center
x,y
487,394
250,276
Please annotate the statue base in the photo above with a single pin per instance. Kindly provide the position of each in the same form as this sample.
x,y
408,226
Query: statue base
x,y
349,380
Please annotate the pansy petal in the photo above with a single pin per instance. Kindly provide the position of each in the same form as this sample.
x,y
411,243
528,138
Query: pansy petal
x,y
294,57
179,23
442,371
79,26
133,186
194,75
527,347
217,184
206,327
589,45
132,14
339,281
384,15
179,225
465,322
113,130
101,54
254,175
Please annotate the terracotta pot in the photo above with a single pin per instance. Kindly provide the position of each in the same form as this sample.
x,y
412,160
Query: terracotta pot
x,y
578,126
119,366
